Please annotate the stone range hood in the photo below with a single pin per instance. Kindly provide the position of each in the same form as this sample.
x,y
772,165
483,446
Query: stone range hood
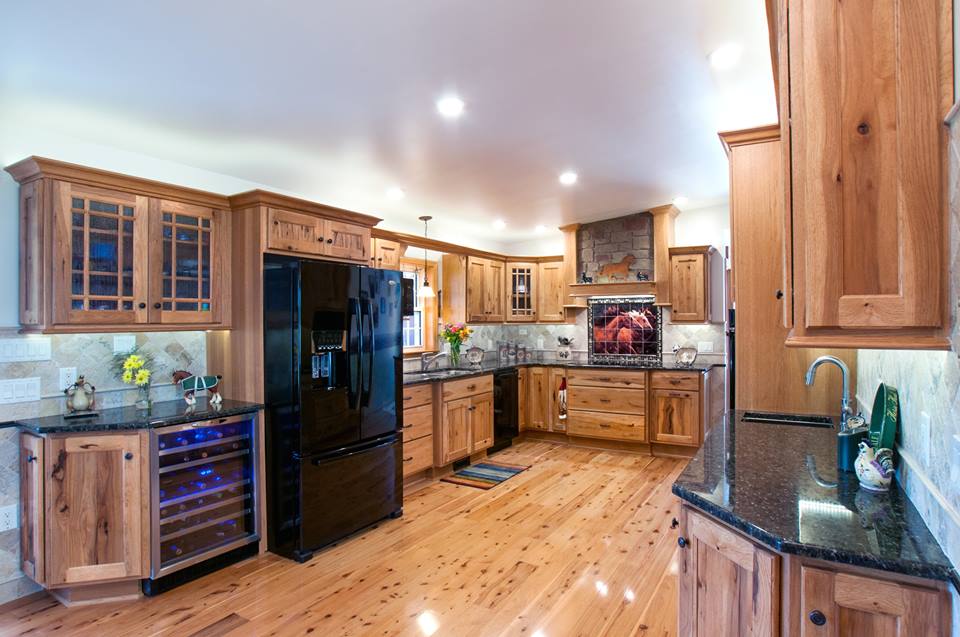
x,y
626,246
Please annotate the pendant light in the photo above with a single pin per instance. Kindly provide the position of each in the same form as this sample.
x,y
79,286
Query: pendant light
x,y
426,292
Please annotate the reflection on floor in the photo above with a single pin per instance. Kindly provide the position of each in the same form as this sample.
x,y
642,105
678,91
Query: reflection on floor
x,y
580,544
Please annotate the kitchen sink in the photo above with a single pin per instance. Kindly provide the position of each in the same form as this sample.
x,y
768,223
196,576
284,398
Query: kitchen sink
x,y
798,420
436,374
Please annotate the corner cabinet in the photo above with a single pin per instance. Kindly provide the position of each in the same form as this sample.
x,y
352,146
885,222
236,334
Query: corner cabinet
x,y
106,252
84,510
864,90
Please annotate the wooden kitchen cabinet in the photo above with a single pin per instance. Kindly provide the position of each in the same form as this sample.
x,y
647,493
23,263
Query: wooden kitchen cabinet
x,y
466,418
522,287
106,252
675,417
386,254
523,396
85,506
696,285
418,439
729,586
555,376
473,289
289,231
607,404
550,293
538,398
864,90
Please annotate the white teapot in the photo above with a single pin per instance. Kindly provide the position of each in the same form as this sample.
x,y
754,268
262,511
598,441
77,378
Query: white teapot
x,y
874,468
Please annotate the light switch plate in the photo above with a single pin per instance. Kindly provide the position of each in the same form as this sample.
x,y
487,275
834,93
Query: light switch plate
x,y
705,347
8,517
123,343
18,350
19,390
68,376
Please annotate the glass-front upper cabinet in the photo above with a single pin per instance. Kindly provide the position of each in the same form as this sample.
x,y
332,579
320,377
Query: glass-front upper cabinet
x,y
189,262
101,240
521,290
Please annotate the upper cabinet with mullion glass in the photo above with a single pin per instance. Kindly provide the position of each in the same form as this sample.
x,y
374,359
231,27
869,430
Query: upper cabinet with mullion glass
x,y
521,292
106,252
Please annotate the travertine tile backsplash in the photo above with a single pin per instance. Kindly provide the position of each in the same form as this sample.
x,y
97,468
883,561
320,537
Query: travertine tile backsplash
x,y
93,356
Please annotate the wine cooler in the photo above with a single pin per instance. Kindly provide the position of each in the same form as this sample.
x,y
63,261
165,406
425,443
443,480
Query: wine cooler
x,y
204,499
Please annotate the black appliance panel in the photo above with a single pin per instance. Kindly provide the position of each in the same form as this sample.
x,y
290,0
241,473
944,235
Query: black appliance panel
x,y
381,351
506,418
407,295
349,489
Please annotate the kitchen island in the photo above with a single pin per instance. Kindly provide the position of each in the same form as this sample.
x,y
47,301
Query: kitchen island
x,y
769,524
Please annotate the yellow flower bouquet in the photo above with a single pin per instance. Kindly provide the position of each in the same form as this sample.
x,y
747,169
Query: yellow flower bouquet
x,y
134,371
456,334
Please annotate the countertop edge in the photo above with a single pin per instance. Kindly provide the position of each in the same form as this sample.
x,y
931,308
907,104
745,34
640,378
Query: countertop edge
x,y
467,372
902,567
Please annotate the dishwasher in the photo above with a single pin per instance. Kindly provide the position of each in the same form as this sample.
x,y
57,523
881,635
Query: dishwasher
x,y
506,417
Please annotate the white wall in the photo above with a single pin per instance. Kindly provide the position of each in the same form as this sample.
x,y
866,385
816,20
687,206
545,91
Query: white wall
x,y
704,226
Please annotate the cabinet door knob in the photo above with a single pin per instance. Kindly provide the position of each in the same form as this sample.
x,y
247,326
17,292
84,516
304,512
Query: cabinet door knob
x,y
141,305
156,306
817,618
674,523
128,455
329,240
779,294
683,542
320,239
276,223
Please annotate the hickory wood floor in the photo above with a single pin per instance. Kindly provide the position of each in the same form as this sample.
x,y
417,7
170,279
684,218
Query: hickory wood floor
x,y
580,544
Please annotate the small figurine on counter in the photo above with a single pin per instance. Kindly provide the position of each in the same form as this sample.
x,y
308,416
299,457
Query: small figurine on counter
x,y
80,396
563,347
191,384
643,275
584,278
874,468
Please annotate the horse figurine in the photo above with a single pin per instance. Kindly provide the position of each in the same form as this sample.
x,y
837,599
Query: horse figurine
x,y
615,271
191,384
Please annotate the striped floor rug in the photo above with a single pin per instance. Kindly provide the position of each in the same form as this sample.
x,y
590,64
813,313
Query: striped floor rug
x,y
485,475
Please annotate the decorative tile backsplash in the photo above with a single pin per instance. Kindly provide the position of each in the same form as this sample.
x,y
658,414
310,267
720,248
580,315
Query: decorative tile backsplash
x,y
93,356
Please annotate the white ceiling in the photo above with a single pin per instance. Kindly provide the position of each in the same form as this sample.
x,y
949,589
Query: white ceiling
x,y
335,100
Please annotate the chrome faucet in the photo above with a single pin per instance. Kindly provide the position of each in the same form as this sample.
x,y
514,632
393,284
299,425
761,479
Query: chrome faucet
x,y
846,410
427,358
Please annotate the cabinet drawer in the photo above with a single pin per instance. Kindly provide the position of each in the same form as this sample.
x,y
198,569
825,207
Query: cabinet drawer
x,y
689,381
622,401
414,395
631,427
417,455
606,378
454,389
417,422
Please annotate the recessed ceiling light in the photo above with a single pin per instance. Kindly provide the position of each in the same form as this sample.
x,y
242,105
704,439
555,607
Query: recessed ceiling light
x,y
540,228
396,193
499,224
568,178
726,56
680,201
450,106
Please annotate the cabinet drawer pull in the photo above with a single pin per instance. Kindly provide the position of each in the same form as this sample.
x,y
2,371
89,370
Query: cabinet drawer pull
x,y
603,379
604,425
605,400
817,618
128,456
410,459
472,408
471,387
407,426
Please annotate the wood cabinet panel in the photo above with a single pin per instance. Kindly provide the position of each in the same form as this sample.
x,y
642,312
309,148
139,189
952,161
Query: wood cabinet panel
x,y
694,293
611,400
675,380
454,431
606,378
538,407
550,293
869,86
522,286
523,396
675,417
386,254
850,605
481,422
414,395
729,586
453,389
96,527
592,424
417,455
31,507
294,232
344,240
417,422
494,302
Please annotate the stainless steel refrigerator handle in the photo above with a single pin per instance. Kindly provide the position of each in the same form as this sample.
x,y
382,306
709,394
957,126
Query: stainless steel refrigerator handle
x,y
355,313
370,349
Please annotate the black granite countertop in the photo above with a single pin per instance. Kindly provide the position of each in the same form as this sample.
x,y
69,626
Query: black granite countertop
x,y
161,414
771,482
415,378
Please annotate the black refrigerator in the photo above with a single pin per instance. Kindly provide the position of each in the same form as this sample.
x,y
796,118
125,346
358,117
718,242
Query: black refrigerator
x,y
333,370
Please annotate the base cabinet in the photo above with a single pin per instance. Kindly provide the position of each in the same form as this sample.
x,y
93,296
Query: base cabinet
x,y
417,429
730,586
85,508
466,419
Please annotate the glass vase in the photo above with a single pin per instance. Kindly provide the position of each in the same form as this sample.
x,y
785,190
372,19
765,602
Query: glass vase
x,y
143,397
454,354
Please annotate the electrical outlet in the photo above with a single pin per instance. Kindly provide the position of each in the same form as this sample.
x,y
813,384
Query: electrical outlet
x,y
524,331
925,438
68,376
8,517
123,343
705,347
